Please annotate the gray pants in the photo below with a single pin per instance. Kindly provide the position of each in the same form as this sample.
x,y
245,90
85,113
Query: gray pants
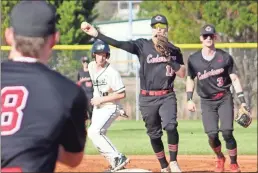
x,y
158,112
215,110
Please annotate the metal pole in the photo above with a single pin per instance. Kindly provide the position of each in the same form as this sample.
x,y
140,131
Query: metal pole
x,y
130,21
130,32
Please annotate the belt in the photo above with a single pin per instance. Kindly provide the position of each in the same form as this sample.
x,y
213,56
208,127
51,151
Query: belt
x,y
104,93
156,93
218,95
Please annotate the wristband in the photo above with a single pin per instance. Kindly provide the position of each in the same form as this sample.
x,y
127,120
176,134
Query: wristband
x,y
189,95
175,66
241,97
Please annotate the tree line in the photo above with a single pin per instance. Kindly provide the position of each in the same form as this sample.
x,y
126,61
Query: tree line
x,y
235,21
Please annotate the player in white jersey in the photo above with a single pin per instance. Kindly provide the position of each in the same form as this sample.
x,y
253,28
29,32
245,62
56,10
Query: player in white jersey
x,y
108,90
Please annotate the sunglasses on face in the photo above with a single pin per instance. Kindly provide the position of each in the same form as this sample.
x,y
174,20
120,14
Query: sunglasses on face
x,y
159,25
208,35
84,61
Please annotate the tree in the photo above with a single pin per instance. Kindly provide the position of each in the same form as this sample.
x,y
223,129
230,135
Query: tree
x,y
70,16
235,21
107,11
6,7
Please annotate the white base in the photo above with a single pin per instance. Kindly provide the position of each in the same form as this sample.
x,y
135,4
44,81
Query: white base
x,y
134,170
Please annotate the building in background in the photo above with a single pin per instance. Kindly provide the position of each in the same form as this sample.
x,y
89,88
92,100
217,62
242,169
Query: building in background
x,y
124,62
116,10
123,9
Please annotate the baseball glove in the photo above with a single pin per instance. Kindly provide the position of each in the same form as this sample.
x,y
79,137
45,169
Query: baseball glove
x,y
123,113
162,45
243,117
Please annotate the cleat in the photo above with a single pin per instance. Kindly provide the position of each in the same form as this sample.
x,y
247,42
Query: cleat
x,y
167,169
234,168
220,162
174,167
120,163
110,169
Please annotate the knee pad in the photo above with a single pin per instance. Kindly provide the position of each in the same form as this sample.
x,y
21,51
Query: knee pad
x,y
227,135
214,140
173,136
213,136
170,127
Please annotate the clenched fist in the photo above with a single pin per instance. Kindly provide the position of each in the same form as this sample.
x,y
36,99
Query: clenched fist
x,y
89,29
191,106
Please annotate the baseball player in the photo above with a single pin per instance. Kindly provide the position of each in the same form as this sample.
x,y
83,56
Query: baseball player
x,y
42,112
158,104
216,72
108,90
84,80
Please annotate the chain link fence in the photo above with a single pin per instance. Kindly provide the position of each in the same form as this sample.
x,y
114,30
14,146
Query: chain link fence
x,y
67,62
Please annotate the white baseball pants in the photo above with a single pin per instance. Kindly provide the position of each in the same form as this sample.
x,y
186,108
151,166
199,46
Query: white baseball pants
x,y
102,118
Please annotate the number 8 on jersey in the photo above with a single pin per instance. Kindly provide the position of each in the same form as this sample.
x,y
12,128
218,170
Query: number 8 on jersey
x,y
13,101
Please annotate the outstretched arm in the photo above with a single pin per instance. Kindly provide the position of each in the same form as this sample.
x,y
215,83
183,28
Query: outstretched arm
x,y
128,46
125,45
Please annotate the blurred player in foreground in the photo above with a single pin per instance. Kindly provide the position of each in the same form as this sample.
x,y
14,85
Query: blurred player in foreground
x,y
42,112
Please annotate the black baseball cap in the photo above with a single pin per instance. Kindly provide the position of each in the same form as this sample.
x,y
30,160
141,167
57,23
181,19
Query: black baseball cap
x,y
208,29
158,19
33,18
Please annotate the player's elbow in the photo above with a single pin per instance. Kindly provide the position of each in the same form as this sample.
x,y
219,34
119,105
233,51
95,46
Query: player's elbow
x,y
71,159
234,78
122,95
181,72
76,160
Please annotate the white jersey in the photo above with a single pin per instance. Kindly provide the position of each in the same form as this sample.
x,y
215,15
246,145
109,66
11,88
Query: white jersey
x,y
107,80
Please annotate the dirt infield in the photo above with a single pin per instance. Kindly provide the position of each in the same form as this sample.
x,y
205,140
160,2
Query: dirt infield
x,y
187,163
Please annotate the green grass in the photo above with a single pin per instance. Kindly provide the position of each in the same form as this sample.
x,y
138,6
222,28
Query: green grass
x,y
130,138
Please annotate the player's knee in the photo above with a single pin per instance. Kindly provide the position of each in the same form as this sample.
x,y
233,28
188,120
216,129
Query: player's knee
x,y
154,134
228,135
170,127
92,132
213,137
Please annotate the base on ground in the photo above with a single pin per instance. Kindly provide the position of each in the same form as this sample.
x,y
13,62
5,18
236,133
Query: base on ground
x,y
188,163
133,170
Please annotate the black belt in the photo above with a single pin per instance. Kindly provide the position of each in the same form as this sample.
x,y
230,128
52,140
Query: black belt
x,y
104,93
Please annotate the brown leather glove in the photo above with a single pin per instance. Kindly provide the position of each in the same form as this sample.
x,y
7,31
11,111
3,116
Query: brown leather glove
x,y
162,46
243,117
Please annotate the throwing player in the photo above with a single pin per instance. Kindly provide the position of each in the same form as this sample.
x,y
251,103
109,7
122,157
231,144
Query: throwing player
x,y
158,103
216,72
84,80
40,121
108,90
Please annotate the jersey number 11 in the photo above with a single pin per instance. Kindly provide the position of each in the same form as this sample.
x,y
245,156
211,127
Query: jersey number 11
x,y
169,71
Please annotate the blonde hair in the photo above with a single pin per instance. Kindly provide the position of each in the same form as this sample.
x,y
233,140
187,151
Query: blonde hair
x,y
29,46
